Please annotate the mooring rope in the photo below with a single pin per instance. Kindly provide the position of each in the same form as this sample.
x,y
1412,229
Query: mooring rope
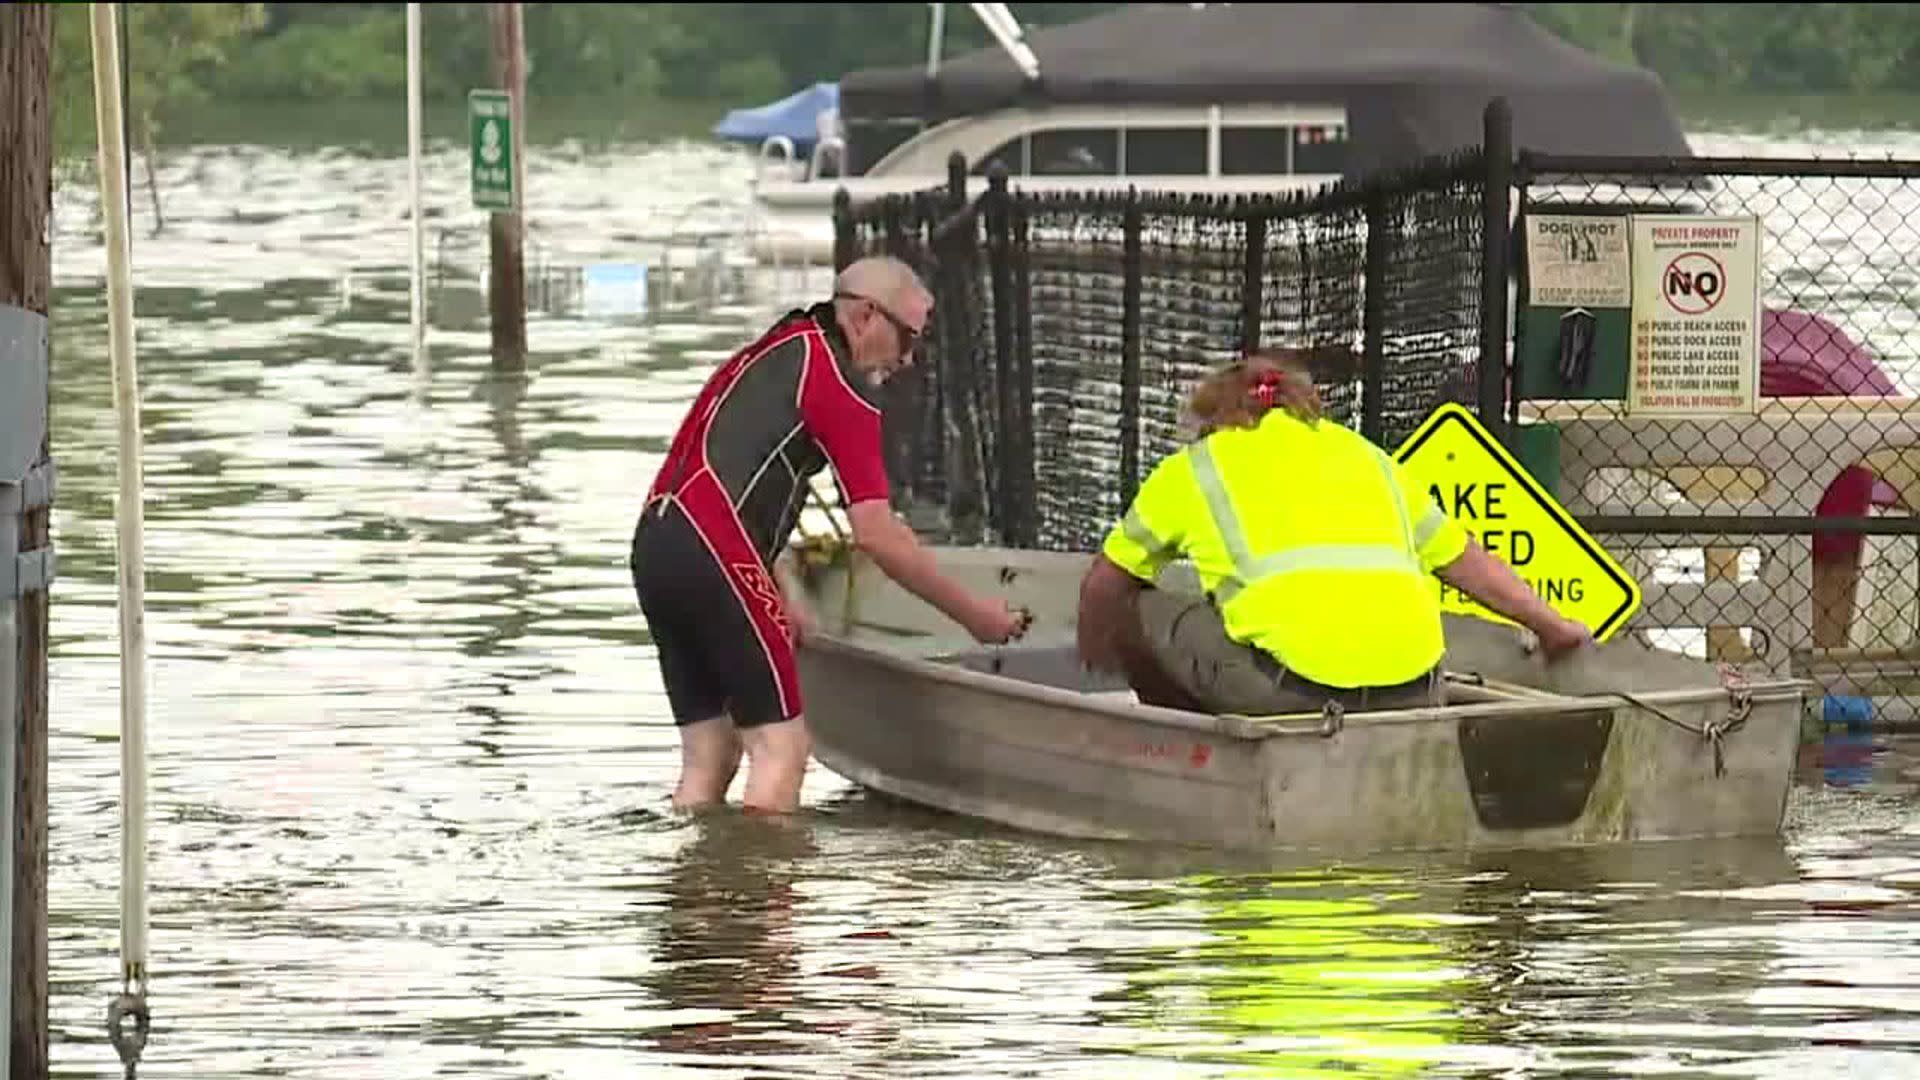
x,y
1739,709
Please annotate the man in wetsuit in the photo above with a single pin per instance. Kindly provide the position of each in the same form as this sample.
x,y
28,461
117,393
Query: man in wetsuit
x,y
728,497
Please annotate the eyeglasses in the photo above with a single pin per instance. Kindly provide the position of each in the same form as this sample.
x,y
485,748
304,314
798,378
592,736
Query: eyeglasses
x,y
908,335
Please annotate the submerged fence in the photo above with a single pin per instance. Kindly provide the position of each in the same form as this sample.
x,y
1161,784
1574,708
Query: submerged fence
x,y
1070,326
1783,536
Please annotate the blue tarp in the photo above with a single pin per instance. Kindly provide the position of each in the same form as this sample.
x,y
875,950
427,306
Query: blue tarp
x,y
795,117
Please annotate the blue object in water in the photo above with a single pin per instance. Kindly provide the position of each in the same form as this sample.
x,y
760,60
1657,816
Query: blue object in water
x,y
797,116
1852,710
613,289
1847,759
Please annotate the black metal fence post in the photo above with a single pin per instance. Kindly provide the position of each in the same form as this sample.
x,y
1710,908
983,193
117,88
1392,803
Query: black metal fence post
x,y
1516,388
1373,318
954,372
1028,525
1495,248
1006,426
1253,274
1130,348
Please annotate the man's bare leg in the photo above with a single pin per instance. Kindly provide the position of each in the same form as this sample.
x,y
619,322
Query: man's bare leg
x,y
709,757
776,764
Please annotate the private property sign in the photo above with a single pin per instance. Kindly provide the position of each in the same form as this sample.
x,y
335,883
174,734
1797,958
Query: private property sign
x,y
1471,477
1696,315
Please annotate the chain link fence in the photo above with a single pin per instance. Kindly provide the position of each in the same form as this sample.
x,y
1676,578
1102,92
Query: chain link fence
x,y
1070,327
1783,537
1080,322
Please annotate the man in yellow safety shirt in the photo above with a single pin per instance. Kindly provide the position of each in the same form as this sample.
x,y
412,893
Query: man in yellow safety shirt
x,y
1314,549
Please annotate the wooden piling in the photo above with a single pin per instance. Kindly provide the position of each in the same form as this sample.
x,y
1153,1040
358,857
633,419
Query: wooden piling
x,y
26,205
507,288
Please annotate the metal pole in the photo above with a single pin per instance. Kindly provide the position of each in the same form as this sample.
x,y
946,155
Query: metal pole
x,y
1495,241
9,726
1130,284
419,282
129,522
1253,274
934,37
1373,319
126,115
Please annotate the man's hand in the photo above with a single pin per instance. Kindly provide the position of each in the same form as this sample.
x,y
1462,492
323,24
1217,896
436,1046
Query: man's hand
x,y
799,612
1560,637
899,554
995,622
1495,585
805,626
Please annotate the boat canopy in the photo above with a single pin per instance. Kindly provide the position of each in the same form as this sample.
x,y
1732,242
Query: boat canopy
x,y
796,116
1414,78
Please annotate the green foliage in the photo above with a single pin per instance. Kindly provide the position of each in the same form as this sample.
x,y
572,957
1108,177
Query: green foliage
x,y
733,52
365,57
1757,48
174,52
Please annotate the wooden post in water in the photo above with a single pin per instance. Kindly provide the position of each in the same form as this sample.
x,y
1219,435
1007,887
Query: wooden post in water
x,y
26,205
507,288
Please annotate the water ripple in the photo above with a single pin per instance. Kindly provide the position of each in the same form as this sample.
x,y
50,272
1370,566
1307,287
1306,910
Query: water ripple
x,y
410,757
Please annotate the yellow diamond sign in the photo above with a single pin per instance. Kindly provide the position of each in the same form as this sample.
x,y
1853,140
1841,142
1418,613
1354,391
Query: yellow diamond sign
x,y
1480,485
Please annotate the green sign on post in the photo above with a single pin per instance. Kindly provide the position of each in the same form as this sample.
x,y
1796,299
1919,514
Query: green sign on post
x,y
490,123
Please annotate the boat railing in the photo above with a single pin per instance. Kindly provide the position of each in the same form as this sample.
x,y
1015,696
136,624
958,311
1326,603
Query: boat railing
x,y
787,155
831,146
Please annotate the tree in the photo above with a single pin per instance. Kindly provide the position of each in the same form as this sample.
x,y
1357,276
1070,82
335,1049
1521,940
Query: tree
x,y
171,52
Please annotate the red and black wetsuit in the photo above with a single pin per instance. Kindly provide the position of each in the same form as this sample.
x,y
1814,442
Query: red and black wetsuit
x,y
727,498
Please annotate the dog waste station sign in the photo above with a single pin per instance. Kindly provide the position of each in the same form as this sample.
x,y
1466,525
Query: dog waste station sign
x,y
1659,312
1470,476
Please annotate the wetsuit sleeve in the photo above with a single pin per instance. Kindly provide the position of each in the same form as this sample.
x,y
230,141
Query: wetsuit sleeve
x,y
846,425
1149,535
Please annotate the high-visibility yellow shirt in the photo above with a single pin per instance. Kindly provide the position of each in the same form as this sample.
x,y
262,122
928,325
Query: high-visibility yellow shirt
x,y
1314,543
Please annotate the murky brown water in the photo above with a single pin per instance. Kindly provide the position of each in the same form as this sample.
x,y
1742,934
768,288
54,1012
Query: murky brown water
x,y
410,754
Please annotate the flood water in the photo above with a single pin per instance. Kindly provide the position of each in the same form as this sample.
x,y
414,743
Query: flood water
x,y
410,758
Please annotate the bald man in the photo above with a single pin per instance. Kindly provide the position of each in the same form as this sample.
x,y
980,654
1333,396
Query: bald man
x,y
725,502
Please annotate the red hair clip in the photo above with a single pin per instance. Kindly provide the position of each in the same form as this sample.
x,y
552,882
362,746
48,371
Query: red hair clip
x,y
1264,388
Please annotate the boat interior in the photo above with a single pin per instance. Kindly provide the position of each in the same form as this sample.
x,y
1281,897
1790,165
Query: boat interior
x,y
1486,662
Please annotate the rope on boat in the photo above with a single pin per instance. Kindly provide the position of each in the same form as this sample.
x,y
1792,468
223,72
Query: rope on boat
x,y
816,550
1739,709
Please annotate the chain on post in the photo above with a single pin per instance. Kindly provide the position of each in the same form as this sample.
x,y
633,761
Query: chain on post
x,y
130,1003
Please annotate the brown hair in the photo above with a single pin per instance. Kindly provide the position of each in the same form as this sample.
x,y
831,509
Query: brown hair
x,y
1239,394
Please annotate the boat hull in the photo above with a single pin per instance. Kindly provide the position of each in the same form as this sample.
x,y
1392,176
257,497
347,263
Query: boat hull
x,y
1530,756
